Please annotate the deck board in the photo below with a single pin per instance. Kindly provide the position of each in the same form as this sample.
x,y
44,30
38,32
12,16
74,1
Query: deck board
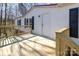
x,y
35,46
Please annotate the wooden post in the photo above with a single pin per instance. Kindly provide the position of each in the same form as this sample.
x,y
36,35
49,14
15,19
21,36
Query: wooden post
x,y
58,43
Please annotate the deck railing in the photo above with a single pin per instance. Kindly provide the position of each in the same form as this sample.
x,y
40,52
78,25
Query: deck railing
x,y
12,30
63,42
9,34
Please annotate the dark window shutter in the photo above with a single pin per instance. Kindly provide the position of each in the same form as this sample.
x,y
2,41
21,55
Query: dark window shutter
x,y
73,22
33,23
25,21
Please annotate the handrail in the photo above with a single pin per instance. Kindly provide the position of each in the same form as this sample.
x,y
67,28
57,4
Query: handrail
x,y
63,39
15,28
67,38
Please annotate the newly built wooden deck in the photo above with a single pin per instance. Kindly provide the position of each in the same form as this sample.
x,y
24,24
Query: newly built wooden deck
x,y
31,46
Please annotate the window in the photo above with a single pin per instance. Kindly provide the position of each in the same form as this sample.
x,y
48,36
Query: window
x,y
25,22
19,22
30,21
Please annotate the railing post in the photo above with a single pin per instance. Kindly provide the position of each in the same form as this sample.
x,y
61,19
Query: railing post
x,y
58,44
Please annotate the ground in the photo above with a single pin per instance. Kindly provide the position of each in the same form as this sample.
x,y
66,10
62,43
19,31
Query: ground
x,y
30,45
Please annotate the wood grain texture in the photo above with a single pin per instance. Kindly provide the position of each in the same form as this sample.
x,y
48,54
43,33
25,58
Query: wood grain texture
x,y
35,46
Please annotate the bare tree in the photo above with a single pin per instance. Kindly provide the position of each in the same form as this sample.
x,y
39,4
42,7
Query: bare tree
x,y
1,13
6,17
5,14
1,10
22,9
8,14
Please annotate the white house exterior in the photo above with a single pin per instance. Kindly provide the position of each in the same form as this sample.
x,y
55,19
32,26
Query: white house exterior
x,y
49,19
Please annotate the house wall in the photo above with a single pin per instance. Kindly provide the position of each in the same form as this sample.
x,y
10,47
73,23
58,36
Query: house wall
x,y
37,13
57,18
22,28
54,23
60,18
42,25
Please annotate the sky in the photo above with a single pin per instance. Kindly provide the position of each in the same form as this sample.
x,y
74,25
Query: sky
x,y
28,6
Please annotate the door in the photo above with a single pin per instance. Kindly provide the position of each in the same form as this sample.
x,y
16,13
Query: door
x,y
36,25
46,26
73,23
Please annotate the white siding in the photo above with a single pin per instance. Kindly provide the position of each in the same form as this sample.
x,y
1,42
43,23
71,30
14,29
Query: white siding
x,y
37,25
46,29
55,21
57,18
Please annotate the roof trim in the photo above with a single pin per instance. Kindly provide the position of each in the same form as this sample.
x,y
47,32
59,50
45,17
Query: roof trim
x,y
51,5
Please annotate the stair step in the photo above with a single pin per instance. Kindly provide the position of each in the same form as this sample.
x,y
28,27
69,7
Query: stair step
x,y
11,40
6,41
1,43
14,39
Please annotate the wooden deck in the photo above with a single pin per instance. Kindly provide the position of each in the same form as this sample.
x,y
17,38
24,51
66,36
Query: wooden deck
x,y
34,46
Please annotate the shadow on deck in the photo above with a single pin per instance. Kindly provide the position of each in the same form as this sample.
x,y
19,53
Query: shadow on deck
x,y
32,46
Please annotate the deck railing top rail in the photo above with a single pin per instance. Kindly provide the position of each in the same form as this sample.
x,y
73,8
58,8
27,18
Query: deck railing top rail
x,y
63,39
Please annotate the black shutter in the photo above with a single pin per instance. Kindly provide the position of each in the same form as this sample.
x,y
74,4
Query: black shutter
x,y
25,21
73,23
33,23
